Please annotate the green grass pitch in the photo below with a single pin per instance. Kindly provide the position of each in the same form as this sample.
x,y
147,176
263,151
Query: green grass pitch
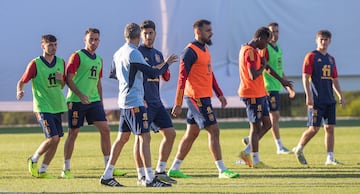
x,y
285,176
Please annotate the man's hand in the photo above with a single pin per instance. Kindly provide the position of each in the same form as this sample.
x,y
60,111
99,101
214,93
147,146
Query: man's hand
x,y
20,94
171,59
84,99
223,101
291,92
176,111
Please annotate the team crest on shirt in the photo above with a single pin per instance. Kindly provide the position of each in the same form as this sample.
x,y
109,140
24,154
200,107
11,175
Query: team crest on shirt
x,y
331,60
157,58
145,120
211,117
70,105
315,114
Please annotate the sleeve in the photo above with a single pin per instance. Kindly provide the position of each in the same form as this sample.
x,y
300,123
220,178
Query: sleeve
x,y
250,58
112,74
137,59
73,64
101,70
216,87
308,63
30,72
186,62
335,72
166,75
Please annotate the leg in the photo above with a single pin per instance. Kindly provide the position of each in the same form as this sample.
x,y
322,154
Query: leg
x,y
69,143
121,140
136,152
167,143
214,141
50,145
215,150
192,132
308,135
274,117
104,130
329,138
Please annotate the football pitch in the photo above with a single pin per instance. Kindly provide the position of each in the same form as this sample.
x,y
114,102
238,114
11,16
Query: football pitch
x,y
285,176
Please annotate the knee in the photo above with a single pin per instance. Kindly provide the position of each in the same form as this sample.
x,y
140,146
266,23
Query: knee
x,y
73,133
170,134
314,129
123,138
54,140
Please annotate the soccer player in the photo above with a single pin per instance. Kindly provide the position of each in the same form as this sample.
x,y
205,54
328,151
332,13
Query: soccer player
x,y
128,67
320,80
47,75
273,55
158,117
252,92
83,77
195,83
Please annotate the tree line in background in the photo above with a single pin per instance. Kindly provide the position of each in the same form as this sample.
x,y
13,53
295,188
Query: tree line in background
x,y
289,108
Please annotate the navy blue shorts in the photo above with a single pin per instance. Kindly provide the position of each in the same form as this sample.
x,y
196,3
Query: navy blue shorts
x,y
51,124
158,116
322,113
134,120
77,112
200,112
274,100
256,108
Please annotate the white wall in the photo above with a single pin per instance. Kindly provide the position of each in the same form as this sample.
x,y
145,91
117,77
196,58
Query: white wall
x,y
234,22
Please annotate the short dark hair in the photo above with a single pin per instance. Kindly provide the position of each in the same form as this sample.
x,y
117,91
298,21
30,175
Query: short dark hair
x,y
262,32
273,24
48,38
200,23
147,24
324,33
132,31
93,30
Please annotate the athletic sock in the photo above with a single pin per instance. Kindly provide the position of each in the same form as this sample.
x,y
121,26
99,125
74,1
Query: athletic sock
x,y
141,172
176,164
43,168
220,165
161,166
108,173
256,157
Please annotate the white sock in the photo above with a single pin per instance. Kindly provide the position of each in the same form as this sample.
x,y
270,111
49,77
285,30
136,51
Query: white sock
x,y
247,149
108,173
176,164
299,148
160,167
256,157
220,165
43,168
106,160
141,172
149,175
67,164
330,156
35,157
279,144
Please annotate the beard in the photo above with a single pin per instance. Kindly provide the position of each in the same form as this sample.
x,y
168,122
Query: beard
x,y
209,42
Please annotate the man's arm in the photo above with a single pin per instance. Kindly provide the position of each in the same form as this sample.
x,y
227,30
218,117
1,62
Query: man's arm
x,y
219,92
336,87
306,83
29,73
